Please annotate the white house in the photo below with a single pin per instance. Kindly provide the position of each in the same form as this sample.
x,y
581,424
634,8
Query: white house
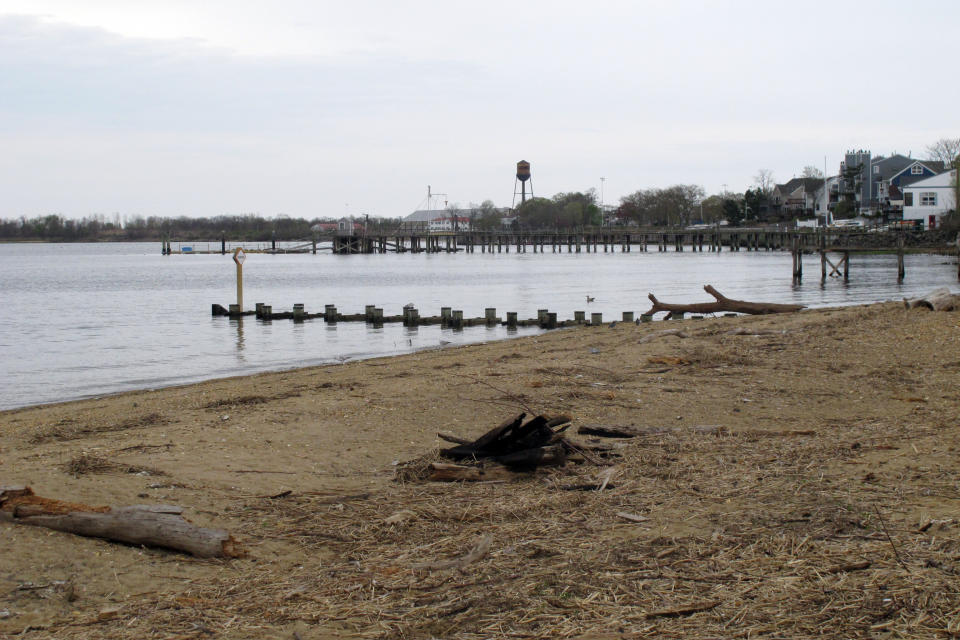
x,y
449,222
929,199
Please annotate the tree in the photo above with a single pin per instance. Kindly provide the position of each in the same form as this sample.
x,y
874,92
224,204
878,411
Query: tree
x,y
811,171
675,205
732,212
712,209
764,182
945,150
487,216
753,200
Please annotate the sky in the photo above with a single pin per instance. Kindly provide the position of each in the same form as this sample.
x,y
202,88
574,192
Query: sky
x,y
310,108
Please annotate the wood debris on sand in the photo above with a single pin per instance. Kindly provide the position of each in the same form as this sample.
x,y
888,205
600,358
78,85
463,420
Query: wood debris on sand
x,y
151,525
720,305
825,505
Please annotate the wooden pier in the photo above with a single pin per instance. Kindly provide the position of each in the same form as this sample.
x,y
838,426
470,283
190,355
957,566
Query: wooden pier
x,y
824,242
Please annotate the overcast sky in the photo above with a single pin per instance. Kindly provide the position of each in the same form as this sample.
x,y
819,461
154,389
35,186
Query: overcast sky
x,y
307,108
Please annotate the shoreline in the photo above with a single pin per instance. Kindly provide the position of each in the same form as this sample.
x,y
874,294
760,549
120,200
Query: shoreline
x,y
830,416
362,358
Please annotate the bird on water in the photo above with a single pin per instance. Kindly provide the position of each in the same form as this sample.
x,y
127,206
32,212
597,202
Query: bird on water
x,y
589,299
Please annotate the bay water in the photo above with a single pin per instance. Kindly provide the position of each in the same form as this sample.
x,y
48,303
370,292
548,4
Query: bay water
x,y
82,320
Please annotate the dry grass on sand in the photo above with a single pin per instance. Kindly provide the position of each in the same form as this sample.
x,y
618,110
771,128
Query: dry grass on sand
x,y
827,505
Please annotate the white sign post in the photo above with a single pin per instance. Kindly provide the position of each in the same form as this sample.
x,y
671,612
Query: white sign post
x,y
239,256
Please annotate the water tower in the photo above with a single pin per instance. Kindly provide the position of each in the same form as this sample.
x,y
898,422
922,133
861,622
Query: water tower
x,y
523,176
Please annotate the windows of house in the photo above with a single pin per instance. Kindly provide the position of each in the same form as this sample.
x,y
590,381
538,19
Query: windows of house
x,y
908,199
916,170
928,198
876,168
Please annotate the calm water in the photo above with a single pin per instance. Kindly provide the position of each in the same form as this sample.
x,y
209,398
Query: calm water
x,y
79,320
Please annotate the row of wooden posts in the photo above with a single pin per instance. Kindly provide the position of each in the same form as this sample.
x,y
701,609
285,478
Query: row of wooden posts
x,y
411,317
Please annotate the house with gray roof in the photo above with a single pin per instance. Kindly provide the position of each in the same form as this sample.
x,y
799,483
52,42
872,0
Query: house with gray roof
x,y
867,180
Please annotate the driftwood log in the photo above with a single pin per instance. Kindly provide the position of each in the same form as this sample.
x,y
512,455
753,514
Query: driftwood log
x,y
938,300
722,304
150,525
611,431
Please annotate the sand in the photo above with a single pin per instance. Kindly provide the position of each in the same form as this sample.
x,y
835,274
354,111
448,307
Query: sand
x,y
830,503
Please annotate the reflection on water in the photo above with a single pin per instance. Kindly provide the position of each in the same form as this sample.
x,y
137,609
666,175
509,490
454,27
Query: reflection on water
x,y
238,323
109,344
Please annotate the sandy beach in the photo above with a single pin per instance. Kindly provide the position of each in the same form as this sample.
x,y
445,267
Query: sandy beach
x,y
827,503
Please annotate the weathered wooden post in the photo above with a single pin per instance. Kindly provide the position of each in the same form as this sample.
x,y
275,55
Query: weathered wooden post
x,y
542,316
298,312
378,316
512,319
846,266
457,319
628,316
552,320
235,310
445,315
596,319
330,313
259,309
368,312
646,318
580,317
266,312
901,271
491,315
238,257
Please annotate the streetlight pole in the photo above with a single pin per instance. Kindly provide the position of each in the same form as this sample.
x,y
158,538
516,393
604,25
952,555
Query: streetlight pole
x,y
603,217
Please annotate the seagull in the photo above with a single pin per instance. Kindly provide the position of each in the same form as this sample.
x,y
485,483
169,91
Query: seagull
x,y
613,324
589,299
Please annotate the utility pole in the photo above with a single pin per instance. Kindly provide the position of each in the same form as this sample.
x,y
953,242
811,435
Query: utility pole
x,y
603,217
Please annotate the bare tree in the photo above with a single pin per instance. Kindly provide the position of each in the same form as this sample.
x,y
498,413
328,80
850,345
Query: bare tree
x,y
811,171
946,150
764,181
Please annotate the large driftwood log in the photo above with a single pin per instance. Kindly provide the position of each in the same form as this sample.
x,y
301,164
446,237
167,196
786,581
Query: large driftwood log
x,y
722,304
151,525
938,300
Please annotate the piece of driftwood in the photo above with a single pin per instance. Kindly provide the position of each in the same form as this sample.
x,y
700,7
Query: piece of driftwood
x,y
722,304
450,437
511,437
150,525
676,612
605,431
632,517
445,472
937,300
848,567
552,455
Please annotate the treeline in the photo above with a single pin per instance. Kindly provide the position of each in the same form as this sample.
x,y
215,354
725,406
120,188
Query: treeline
x,y
562,211
56,228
